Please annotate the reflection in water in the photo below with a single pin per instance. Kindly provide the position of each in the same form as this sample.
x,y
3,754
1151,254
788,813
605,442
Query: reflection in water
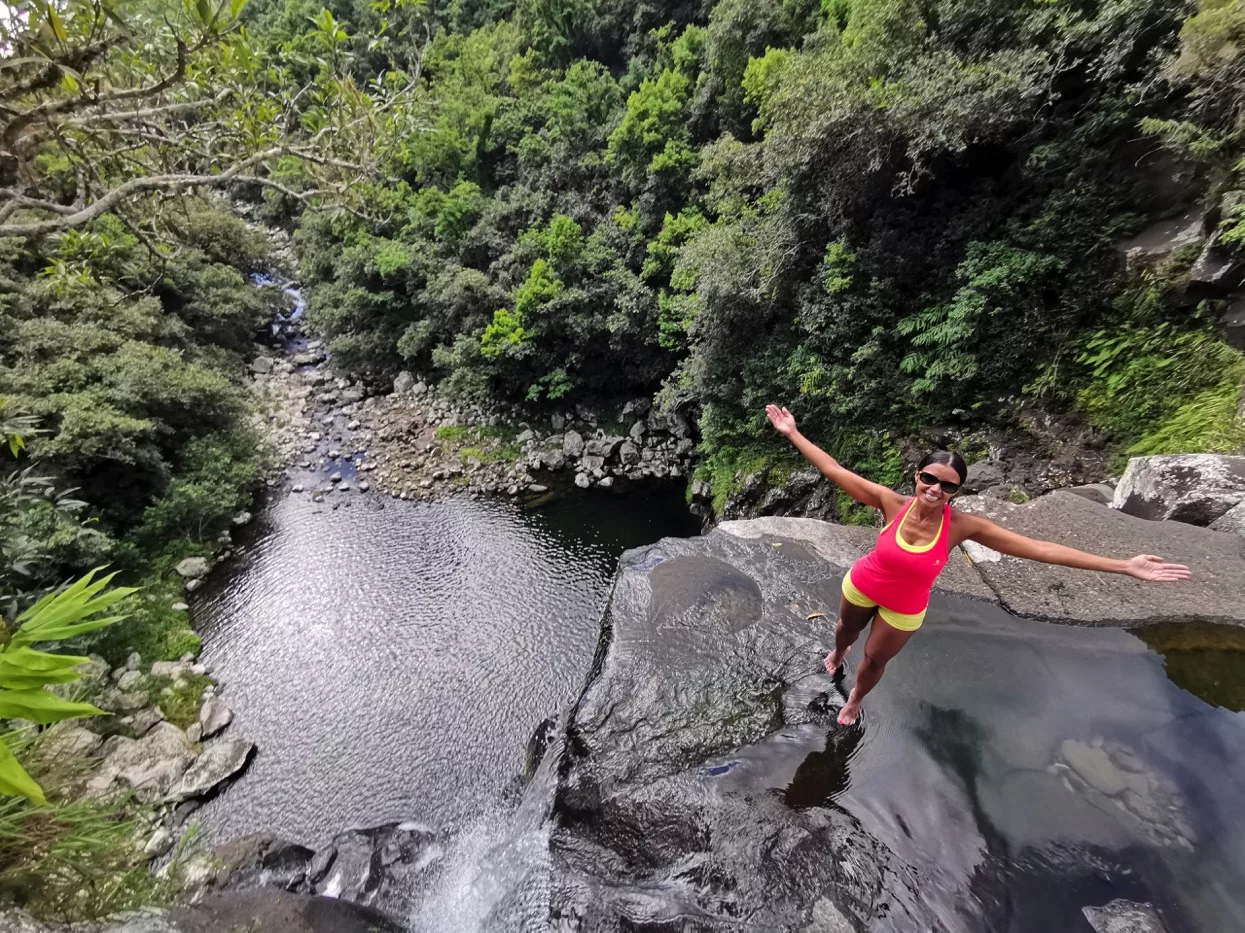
x,y
1207,660
823,775
391,663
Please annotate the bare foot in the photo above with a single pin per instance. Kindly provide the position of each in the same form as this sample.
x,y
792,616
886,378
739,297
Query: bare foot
x,y
834,661
849,712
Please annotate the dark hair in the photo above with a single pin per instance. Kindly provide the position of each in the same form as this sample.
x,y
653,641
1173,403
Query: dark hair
x,y
950,458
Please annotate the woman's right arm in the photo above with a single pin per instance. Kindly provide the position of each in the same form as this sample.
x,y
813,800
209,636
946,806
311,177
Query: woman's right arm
x,y
862,490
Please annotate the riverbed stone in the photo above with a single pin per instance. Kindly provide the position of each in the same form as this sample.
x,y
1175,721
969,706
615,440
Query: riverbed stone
x,y
403,383
214,716
150,765
192,568
1216,592
1192,488
573,444
582,480
216,764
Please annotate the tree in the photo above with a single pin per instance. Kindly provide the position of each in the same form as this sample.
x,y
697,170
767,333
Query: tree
x,y
110,110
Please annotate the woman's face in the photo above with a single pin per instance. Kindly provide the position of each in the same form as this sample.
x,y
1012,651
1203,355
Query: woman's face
x,y
933,493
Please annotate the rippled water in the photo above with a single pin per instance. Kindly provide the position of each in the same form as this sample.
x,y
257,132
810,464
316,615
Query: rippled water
x,y
392,659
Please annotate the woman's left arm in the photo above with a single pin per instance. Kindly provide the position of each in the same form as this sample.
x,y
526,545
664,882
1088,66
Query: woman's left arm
x,y
1143,566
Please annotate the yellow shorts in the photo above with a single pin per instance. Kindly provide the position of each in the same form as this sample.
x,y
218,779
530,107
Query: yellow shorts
x,y
900,620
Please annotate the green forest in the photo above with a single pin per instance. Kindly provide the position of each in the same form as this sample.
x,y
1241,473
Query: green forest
x,y
886,214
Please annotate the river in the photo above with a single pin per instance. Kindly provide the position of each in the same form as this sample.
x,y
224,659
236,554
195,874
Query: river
x,y
391,659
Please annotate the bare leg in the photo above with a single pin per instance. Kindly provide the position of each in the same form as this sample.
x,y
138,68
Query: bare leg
x,y
883,644
852,621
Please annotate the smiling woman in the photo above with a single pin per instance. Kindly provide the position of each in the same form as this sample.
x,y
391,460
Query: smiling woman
x,y
888,589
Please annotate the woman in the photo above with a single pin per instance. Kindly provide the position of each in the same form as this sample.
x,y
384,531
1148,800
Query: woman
x,y
889,587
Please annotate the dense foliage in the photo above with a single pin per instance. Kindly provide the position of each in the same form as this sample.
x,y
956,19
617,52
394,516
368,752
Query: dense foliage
x,y
889,213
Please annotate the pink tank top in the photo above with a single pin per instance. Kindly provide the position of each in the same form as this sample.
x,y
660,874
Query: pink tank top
x,y
899,578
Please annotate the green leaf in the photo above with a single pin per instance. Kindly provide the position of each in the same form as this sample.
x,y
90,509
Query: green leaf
x,y
15,782
19,678
42,707
31,660
58,27
235,8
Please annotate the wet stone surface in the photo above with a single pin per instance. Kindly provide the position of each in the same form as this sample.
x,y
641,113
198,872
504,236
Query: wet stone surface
x,y
1007,775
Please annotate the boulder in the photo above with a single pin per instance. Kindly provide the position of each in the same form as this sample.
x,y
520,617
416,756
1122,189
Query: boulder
x,y
67,739
1232,324
604,447
192,568
982,474
259,860
1216,593
403,383
242,518
637,432
1121,916
628,454
636,408
1101,493
216,764
261,365
150,765
1159,241
1191,488
129,680
1231,522
159,844
582,480
1216,272
573,444
170,669
214,716
524,437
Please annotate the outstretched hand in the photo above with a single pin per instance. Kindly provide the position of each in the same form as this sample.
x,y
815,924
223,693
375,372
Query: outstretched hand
x,y
782,420
1149,567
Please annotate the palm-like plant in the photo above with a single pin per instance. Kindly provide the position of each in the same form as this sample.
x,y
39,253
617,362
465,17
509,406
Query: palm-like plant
x,y
25,670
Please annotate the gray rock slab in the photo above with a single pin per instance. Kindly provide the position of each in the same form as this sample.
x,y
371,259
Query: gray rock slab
x,y
1100,493
150,765
1216,593
215,765
214,716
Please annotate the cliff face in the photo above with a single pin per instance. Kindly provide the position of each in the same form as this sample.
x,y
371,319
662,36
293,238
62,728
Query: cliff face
x,y
705,784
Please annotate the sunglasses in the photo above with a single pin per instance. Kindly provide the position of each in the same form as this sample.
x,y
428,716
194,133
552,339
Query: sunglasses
x,y
929,479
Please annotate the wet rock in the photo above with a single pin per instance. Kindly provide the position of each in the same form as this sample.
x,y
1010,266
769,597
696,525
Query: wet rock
x,y
214,716
582,480
606,482
217,763
1192,488
192,568
642,838
1216,272
1216,593
593,464
259,860
242,518
179,607
1121,916
1232,324
403,383
573,444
